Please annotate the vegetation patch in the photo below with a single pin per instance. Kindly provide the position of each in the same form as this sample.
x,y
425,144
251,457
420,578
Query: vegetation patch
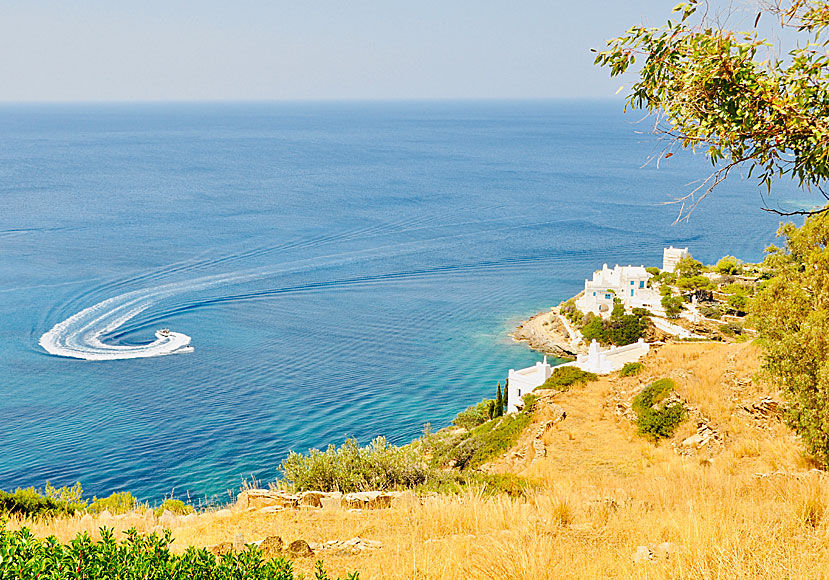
x,y
25,557
32,503
631,369
565,377
119,502
658,416
378,466
175,506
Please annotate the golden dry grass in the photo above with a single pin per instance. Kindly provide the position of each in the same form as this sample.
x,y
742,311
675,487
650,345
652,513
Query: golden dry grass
x,y
602,492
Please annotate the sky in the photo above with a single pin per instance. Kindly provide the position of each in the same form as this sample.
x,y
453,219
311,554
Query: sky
x,y
172,50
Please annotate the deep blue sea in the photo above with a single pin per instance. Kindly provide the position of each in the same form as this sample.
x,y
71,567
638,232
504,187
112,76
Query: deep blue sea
x,y
347,269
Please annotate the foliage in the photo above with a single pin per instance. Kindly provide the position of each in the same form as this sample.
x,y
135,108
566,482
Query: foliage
x,y
476,415
739,302
663,278
688,267
653,270
687,283
31,503
175,506
673,305
568,310
566,376
710,312
727,93
791,313
631,369
119,502
350,467
728,265
489,440
25,557
500,403
620,329
657,416
593,328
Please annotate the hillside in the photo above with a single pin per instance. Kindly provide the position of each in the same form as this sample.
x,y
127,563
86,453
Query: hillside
x,y
606,503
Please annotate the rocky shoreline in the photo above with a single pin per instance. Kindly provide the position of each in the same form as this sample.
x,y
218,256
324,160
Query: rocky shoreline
x,y
546,333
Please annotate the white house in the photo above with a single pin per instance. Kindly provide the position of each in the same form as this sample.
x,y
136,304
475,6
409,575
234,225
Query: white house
x,y
628,283
524,381
671,257
601,362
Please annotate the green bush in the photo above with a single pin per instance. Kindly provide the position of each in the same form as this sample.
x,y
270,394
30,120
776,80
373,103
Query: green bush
x,y
631,369
656,416
687,283
350,467
710,312
728,265
565,377
489,440
688,267
120,502
31,503
176,506
620,329
673,305
653,270
25,557
476,415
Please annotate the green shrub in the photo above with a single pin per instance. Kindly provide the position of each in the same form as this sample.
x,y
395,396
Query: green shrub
x,y
31,503
688,267
489,440
710,312
673,305
176,506
656,416
653,270
565,377
120,502
350,467
476,415
25,557
728,265
687,283
631,369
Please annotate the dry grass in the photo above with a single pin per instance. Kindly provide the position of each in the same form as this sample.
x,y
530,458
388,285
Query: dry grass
x,y
603,492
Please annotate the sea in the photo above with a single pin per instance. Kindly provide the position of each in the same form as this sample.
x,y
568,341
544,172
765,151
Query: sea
x,y
346,269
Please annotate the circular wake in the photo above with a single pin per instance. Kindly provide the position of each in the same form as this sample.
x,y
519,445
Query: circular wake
x,y
80,336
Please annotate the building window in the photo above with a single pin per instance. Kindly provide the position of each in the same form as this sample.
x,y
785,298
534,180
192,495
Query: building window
x,y
632,282
607,296
519,392
594,293
641,283
631,291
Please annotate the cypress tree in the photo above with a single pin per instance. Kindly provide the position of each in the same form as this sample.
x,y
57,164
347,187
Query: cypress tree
x,y
505,399
499,402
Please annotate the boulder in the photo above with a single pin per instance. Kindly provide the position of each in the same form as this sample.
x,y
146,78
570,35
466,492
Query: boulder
x,y
311,498
299,549
404,499
272,547
367,500
332,501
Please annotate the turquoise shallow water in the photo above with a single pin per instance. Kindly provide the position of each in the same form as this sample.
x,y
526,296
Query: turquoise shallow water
x,y
342,269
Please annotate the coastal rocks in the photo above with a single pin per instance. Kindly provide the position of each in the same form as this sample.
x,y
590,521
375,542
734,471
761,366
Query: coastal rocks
x,y
705,434
546,333
367,500
267,501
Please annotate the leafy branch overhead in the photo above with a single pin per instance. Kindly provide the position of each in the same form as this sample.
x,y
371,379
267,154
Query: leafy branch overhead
x,y
725,92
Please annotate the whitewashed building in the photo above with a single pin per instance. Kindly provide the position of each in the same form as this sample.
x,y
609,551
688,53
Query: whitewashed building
x,y
524,381
671,257
628,283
